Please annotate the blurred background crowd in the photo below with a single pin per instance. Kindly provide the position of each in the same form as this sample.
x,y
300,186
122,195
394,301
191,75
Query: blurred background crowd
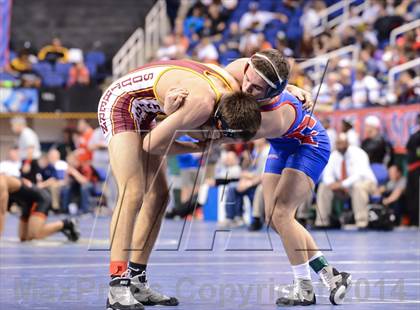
x,y
221,31
384,181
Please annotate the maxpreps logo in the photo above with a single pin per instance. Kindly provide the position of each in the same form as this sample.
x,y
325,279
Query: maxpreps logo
x,y
304,133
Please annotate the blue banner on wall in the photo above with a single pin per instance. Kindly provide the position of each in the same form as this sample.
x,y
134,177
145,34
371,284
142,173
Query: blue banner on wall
x,y
5,14
23,100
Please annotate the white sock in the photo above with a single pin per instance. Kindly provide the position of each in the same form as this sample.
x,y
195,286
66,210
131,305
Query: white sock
x,y
302,271
316,255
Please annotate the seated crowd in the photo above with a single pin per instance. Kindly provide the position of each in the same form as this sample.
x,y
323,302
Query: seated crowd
x,y
220,31
361,182
54,65
360,178
73,172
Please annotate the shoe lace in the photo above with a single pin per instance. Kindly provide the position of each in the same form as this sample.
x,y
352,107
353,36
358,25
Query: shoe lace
x,y
328,279
126,274
291,291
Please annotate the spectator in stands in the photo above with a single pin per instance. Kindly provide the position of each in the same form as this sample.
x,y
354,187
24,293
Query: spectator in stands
x,y
328,91
228,172
194,24
27,138
22,65
385,23
53,171
311,17
393,191
347,174
413,177
408,87
365,90
247,185
257,19
11,166
100,162
249,42
348,128
378,148
229,6
206,51
344,97
281,44
371,13
169,49
189,165
353,20
217,19
79,183
78,75
181,40
30,170
231,44
331,132
85,132
68,145
54,52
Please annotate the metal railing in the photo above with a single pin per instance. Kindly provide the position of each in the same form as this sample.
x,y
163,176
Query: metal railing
x,y
142,45
401,29
319,62
398,69
130,56
342,5
157,27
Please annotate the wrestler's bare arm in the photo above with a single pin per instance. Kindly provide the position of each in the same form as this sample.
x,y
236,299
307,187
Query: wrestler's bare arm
x,y
236,69
196,111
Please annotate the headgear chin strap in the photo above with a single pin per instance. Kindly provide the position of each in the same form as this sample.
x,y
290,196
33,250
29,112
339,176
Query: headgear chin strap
x,y
276,88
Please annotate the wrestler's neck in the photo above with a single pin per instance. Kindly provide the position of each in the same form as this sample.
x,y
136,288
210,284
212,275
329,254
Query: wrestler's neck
x,y
268,101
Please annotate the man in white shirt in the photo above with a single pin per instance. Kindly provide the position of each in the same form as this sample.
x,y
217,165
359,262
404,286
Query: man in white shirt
x,y
258,18
365,89
27,138
347,126
206,51
347,173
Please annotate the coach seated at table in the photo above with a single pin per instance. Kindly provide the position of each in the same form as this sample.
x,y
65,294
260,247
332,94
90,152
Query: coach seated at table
x,y
347,175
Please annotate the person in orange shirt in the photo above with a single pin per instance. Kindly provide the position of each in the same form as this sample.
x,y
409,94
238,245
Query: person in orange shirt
x,y
78,75
85,131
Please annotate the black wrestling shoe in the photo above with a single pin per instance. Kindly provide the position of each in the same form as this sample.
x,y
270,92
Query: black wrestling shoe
x,y
147,296
338,283
71,230
301,293
120,296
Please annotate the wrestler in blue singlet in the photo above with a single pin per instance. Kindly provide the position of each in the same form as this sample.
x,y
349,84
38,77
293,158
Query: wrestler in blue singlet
x,y
304,147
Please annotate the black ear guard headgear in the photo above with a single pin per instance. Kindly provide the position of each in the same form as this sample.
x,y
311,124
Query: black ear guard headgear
x,y
223,126
276,88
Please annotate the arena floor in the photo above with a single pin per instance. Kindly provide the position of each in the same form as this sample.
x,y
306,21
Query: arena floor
x,y
237,271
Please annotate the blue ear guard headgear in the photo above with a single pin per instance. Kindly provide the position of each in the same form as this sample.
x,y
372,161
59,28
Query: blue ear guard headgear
x,y
276,88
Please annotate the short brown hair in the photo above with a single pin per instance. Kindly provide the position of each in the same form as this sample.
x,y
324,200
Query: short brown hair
x,y
279,61
240,112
